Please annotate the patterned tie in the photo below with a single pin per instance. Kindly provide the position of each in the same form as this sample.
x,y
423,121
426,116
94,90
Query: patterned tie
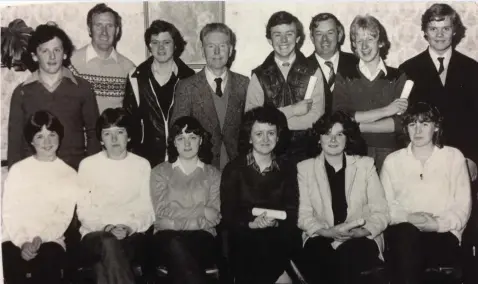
x,y
331,79
441,68
218,86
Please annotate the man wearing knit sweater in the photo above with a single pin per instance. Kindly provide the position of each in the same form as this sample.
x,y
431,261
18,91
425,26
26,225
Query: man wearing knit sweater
x,y
99,62
371,93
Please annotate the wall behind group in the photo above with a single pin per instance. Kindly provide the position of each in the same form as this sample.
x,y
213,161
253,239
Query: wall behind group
x,y
248,21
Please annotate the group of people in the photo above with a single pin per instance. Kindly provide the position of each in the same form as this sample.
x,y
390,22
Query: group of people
x,y
316,160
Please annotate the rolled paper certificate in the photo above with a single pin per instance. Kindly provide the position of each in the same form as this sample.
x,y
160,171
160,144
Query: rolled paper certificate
x,y
310,87
407,89
353,224
270,213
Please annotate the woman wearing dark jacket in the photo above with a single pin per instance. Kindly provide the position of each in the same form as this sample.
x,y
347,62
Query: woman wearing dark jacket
x,y
149,94
261,246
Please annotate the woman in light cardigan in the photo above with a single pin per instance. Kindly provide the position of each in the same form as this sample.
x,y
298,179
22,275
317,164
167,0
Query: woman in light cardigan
x,y
185,195
38,204
115,208
342,207
427,187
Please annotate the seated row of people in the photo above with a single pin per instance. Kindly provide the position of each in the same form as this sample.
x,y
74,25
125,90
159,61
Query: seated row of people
x,y
335,201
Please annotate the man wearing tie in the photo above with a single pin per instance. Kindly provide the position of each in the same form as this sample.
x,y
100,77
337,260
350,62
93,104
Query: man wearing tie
x,y
448,79
289,82
215,96
327,35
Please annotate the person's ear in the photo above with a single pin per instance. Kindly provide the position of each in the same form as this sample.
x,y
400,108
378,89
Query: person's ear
x,y
34,57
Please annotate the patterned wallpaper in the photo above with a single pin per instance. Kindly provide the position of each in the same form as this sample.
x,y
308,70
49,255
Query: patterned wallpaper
x,y
401,19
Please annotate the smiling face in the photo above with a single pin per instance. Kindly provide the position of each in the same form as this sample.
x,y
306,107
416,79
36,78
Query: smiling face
x,y
50,56
103,31
217,49
421,133
439,35
283,40
367,46
115,139
325,38
264,138
46,144
187,144
333,143
162,47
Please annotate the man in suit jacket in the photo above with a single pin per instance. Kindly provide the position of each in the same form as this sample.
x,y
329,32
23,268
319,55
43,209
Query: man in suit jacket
x,y
215,96
327,34
449,80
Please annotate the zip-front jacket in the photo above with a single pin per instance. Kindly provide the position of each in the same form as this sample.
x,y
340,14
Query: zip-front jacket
x,y
142,101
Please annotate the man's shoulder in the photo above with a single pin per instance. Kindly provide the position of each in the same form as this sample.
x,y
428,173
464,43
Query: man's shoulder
x,y
125,61
414,61
239,78
463,59
79,55
348,58
192,80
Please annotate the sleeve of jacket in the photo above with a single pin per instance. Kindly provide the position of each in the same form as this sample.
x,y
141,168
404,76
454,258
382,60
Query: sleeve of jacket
x,y
15,128
182,101
308,221
376,217
397,212
131,106
90,116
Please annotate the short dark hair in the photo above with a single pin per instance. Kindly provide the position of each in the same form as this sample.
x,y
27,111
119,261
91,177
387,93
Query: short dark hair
x,y
192,126
160,26
218,27
111,117
438,12
424,112
100,9
314,23
264,114
355,144
39,119
281,18
374,26
45,33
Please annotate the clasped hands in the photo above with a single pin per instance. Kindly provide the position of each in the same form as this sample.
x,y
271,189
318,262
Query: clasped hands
x,y
345,231
262,221
30,249
424,221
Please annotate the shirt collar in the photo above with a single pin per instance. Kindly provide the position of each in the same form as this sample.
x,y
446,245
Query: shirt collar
x,y
91,54
434,55
251,162
410,152
280,62
329,167
65,73
210,78
178,164
366,72
334,59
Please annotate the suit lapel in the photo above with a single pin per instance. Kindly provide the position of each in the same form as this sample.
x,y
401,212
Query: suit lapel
x,y
323,187
232,101
350,171
453,69
206,101
431,69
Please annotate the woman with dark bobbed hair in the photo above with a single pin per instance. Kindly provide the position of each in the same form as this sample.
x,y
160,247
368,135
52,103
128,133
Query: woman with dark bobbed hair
x,y
261,244
185,196
115,207
150,88
427,187
38,203
342,208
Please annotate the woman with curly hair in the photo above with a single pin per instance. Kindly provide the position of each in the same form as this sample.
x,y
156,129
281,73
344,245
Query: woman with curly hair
x,y
185,196
342,208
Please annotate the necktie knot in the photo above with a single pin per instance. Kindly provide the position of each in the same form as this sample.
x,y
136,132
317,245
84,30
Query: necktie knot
x,y
441,68
331,79
285,64
218,86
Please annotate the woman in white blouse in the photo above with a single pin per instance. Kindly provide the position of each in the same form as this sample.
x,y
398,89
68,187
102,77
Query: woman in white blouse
x,y
38,204
115,208
428,192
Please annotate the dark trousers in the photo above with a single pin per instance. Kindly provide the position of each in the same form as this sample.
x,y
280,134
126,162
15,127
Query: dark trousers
x,y
262,255
112,259
185,254
411,251
46,267
323,264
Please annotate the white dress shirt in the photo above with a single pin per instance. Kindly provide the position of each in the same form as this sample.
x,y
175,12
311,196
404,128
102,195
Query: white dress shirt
x,y
326,69
446,56
371,76
210,79
441,186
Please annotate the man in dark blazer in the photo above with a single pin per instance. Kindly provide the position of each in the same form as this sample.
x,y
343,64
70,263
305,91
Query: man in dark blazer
x,y
215,96
449,80
327,35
